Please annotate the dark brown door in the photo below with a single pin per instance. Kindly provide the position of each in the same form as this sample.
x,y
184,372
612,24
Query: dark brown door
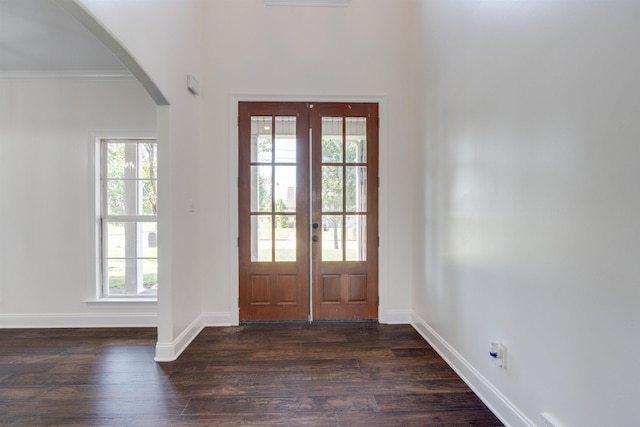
x,y
286,236
344,214
273,201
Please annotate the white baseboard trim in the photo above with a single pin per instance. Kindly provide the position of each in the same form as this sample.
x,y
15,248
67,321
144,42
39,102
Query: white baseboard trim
x,y
168,352
506,411
396,317
80,320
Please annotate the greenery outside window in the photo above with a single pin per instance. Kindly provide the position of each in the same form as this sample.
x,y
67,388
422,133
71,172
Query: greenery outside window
x,y
128,220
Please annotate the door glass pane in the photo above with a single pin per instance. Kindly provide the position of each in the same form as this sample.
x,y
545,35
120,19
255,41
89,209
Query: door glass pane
x,y
285,238
332,139
261,140
356,189
356,236
332,237
356,132
261,188
332,184
261,238
285,188
285,140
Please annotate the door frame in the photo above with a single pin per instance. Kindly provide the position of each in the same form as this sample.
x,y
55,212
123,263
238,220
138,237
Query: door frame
x,y
384,316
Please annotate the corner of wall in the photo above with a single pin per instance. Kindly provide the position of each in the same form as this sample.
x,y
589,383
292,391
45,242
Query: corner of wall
x,y
170,351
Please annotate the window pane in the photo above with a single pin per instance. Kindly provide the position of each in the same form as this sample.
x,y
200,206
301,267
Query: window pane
x,y
148,239
356,189
261,238
285,188
115,276
148,160
127,239
150,277
356,136
332,139
332,238
261,141
332,183
122,197
285,238
115,245
122,160
261,184
149,192
285,146
356,235
116,197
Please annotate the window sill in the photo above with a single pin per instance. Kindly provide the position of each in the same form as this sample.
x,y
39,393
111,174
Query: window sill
x,y
132,300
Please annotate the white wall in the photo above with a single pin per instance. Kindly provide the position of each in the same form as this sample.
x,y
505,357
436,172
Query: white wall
x,y
273,53
46,233
528,219
165,38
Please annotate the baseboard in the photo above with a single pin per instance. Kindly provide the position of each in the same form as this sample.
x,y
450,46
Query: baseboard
x,y
168,352
81,320
396,317
506,411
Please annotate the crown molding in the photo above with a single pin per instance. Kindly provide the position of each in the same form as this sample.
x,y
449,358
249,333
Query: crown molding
x,y
316,3
66,75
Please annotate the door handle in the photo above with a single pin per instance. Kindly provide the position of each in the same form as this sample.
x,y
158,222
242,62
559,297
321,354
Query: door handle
x,y
314,238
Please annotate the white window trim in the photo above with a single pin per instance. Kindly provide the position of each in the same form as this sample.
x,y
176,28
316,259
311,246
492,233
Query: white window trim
x,y
94,280
314,3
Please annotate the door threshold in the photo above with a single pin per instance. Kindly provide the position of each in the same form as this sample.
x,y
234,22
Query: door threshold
x,y
306,322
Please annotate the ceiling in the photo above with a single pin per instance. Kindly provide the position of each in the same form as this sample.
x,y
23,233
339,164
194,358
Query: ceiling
x,y
40,36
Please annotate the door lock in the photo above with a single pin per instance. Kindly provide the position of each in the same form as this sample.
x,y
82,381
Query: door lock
x,y
315,225
314,238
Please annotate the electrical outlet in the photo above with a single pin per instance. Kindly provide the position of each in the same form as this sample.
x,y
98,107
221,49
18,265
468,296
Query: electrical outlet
x,y
545,421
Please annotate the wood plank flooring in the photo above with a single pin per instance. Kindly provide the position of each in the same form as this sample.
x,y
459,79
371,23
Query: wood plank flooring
x,y
298,375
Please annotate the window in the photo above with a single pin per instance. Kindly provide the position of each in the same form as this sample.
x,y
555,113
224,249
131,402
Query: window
x,y
128,220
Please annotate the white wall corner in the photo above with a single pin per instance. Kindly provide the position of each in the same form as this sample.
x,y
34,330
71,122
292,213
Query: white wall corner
x,y
170,351
506,411
81,320
396,317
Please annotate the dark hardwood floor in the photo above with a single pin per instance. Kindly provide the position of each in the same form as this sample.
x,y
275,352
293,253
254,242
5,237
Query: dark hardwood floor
x,y
300,375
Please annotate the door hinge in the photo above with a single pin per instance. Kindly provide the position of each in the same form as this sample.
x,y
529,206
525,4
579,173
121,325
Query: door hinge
x,y
378,299
378,241
238,302
238,121
238,242
378,182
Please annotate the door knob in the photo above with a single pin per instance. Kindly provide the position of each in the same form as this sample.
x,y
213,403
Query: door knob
x,y
314,238
315,225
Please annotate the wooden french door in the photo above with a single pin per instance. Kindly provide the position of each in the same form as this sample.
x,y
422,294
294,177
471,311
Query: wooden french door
x,y
308,211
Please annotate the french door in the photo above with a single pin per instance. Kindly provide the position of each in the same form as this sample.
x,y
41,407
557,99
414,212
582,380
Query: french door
x,y
308,211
